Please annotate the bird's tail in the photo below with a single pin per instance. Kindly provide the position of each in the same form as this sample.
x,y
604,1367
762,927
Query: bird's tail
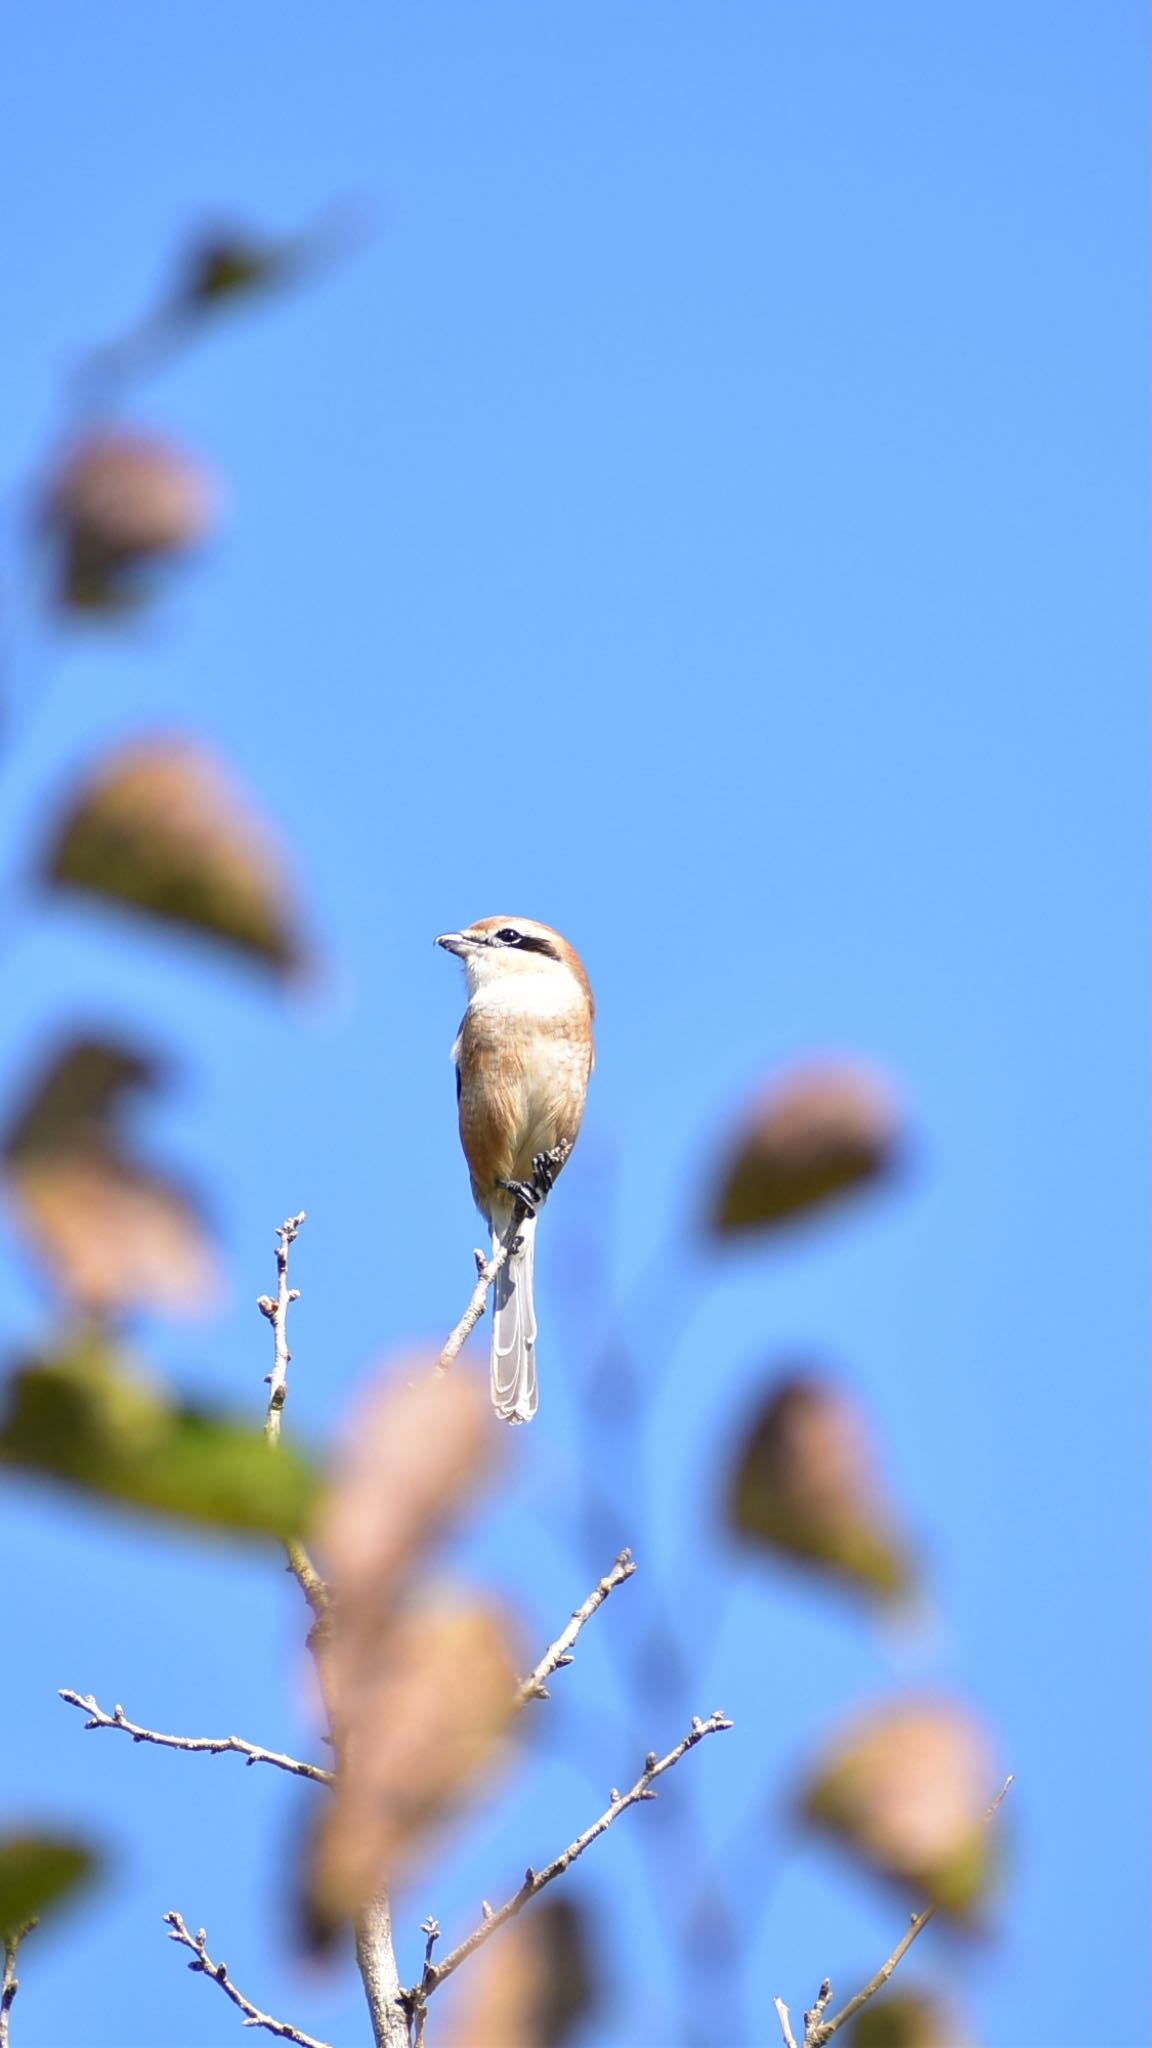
x,y
514,1394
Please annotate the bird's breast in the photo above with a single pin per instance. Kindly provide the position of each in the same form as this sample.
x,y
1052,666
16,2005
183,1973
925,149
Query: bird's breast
x,y
523,1079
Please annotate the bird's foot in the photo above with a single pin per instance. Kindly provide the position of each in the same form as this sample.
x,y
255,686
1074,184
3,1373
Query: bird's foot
x,y
545,1167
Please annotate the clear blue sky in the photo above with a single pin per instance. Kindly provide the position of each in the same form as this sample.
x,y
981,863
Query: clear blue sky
x,y
708,516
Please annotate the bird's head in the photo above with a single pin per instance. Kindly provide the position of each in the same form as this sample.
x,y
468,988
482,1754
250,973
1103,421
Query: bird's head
x,y
500,952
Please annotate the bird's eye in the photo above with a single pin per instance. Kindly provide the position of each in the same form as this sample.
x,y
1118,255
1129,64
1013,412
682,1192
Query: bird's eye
x,y
509,936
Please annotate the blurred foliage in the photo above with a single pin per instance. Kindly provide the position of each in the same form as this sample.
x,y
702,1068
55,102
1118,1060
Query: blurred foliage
x,y
424,1684
113,1234
804,1486
119,504
811,1137
906,2019
907,1789
232,265
87,1418
530,1987
160,828
422,1709
36,1872
415,1450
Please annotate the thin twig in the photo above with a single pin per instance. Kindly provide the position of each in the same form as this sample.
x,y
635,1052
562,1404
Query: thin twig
x,y
536,1880
785,2019
559,1653
253,2017
486,1271
213,1745
275,1310
818,2030
10,1982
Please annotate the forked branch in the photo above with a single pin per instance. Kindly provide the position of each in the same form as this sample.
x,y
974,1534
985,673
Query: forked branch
x,y
535,1881
818,2030
253,2017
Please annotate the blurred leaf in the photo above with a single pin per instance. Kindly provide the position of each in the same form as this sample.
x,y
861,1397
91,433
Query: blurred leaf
x,y
86,1418
234,264
906,2019
77,1098
906,1789
804,1485
36,1871
413,1454
119,503
161,829
114,1234
421,1711
810,1138
530,1987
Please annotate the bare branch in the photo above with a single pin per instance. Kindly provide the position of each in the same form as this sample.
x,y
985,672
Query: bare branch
x,y
559,1653
536,1880
375,1955
275,1310
818,2030
10,1982
486,1271
376,1961
253,2017
213,1745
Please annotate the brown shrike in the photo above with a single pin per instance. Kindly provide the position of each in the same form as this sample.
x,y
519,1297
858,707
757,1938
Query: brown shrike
x,y
523,1058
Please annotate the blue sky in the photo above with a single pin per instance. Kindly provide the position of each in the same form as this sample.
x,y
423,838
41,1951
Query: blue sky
x,y
707,515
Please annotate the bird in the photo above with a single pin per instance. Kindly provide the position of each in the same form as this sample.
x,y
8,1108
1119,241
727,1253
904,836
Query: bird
x,y
523,1057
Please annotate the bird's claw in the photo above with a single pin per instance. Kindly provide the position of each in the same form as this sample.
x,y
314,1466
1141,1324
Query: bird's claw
x,y
545,1167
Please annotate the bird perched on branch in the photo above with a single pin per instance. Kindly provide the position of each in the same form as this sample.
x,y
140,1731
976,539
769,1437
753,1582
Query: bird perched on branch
x,y
523,1058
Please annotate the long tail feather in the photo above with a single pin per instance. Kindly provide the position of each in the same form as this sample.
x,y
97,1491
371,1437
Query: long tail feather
x,y
514,1393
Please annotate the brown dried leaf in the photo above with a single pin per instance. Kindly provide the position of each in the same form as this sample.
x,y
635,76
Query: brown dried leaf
x,y
811,1137
906,1789
113,1233
529,1988
119,502
805,1486
160,828
420,1714
416,1449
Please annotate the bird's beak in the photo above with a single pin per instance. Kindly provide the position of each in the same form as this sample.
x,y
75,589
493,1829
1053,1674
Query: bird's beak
x,y
457,942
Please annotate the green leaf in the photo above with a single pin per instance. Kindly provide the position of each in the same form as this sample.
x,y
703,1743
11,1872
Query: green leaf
x,y
86,1419
160,829
36,1871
